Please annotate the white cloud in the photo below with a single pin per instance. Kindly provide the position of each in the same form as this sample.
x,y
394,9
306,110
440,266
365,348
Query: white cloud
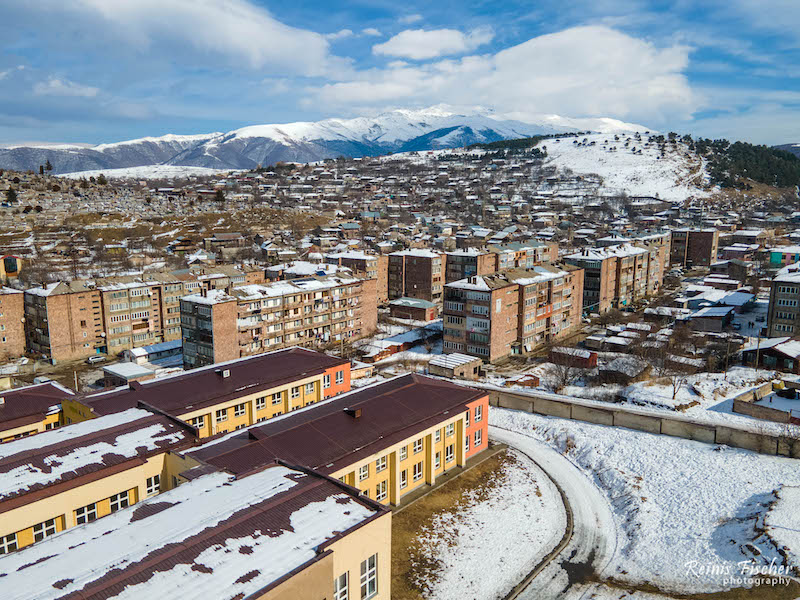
x,y
65,88
583,71
408,19
418,44
7,72
237,30
339,35
371,31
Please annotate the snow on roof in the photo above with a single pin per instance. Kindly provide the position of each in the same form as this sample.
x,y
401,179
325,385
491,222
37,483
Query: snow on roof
x,y
451,361
621,251
214,537
419,252
211,297
789,274
127,370
579,352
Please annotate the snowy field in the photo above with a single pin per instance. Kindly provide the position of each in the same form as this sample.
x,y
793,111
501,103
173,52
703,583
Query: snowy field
x,y
493,537
685,513
147,172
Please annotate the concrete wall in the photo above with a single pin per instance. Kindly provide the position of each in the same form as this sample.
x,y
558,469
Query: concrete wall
x,y
615,415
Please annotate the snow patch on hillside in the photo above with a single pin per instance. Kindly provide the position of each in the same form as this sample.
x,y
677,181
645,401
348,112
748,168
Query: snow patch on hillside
x,y
147,172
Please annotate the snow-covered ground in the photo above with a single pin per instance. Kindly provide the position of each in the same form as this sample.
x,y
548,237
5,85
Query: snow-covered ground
x,y
504,528
783,522
147,172
686,513
669,178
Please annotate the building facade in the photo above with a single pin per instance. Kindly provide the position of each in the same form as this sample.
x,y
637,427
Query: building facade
x,y
783,316
12,324
694,247
416,274
374,266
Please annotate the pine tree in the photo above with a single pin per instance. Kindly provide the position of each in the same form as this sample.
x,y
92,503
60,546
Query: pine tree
x,y
101,179
219,196
11,196
48,166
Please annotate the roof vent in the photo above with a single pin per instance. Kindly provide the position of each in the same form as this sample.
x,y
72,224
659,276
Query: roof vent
x,y
224,373
353,412
2,400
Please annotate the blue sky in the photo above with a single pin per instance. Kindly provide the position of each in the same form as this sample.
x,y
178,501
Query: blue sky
x,y
106,70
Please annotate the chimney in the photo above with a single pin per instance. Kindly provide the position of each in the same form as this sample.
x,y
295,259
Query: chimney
x,y
134,385
224,373
353,412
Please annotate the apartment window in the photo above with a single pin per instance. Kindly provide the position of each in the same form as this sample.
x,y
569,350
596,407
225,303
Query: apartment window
x,y
380,464
369,577
43,530
153,485
478,437
295,392
478,413
86,514
403,478
309,388
449,453
8,543
277,398
380,491
198,422
437,436
437,460
466,421
418,471
466,443
418,446
339,377
239,410
340,587
326,381
119,501
363,472
261,403
403,453
450,429
222,415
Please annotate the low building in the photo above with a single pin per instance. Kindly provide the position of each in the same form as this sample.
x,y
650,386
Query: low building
x,y
573,357
32,409
779,353
711,318
413,308
12,324
124,373
456,366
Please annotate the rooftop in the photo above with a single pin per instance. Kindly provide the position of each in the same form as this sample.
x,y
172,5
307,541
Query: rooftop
x,y
30,404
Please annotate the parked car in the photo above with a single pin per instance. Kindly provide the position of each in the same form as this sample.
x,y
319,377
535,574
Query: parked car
x,y
98,358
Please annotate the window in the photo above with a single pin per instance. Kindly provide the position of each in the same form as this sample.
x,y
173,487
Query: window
x,y
339,377
326,381
437,460
153,485
363,473
478,437
239,410
403,453
277,398
403,478
340,591
8,543
380,464
309,388
437,436
418,471
478,413
86,514
295,392
261,403
380,491
369,577
198,422
43,530
418,446
466,422
449,453
119,501
466,443
450,429
222,415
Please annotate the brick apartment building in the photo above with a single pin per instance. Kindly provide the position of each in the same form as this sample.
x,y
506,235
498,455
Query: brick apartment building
x,y
512,312
12,324
617,276
220,325
694,247
416,273
468,262
783,317
375,266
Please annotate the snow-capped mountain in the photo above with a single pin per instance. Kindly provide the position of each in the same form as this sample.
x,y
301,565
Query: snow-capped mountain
x,y
248,147
793,148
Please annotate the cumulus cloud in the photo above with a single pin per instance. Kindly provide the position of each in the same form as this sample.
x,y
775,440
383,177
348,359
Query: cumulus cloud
x,y
371,31
409,19
65,88
7,72
582,71
339,35
418,44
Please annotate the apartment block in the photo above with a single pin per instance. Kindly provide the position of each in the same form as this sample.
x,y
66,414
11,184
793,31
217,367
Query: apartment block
x,y
31,409
221,325
227,396
783,317
467,262
416,274
374,266
523,255
278,533
74,475
617,276
12,324
694,247
512,312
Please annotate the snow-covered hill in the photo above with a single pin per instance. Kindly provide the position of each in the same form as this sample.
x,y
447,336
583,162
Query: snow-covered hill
x,y
245,148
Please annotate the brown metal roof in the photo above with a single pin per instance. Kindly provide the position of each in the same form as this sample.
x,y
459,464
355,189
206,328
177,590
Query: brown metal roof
x,y
205,387
29,404
326,438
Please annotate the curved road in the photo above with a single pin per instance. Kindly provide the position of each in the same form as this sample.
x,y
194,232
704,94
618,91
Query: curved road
x,y
594,539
